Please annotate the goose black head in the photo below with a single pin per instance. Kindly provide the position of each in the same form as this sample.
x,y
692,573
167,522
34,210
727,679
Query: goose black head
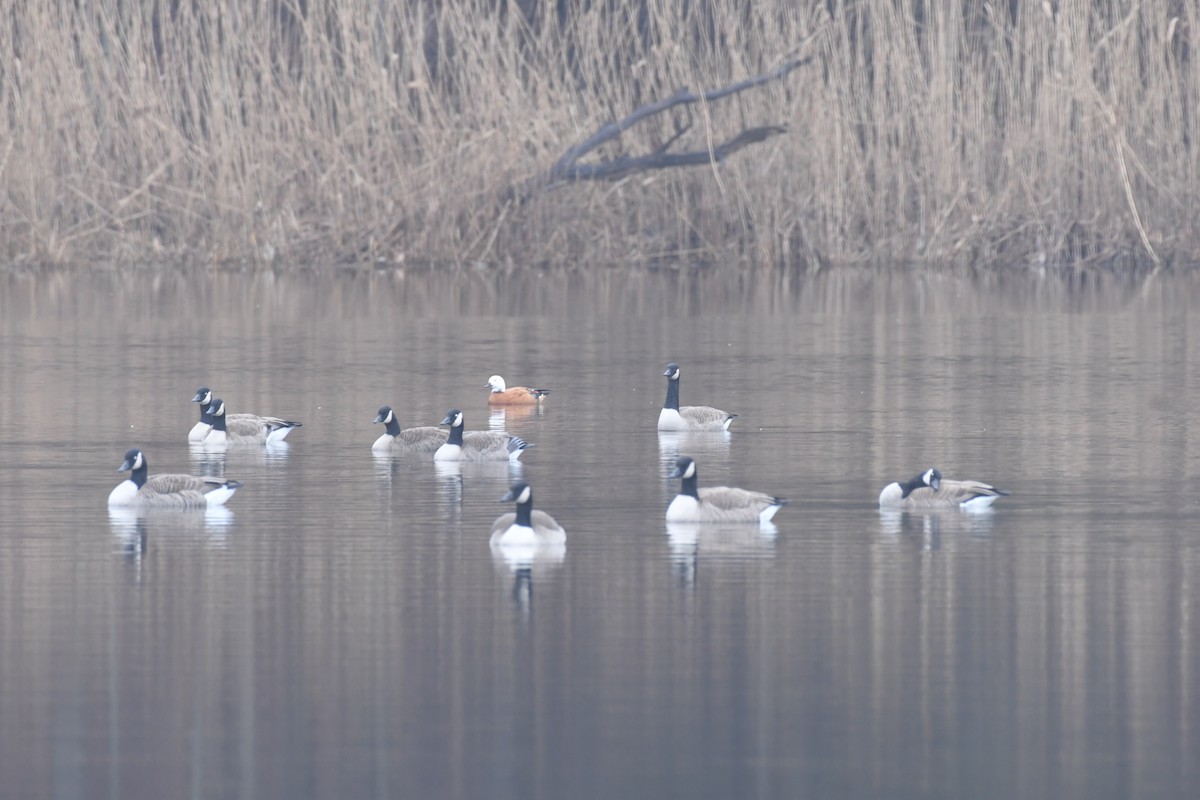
x,y
133,460
454,418
384,415
216,408
519,492
932,478
685,467
672,372
203,396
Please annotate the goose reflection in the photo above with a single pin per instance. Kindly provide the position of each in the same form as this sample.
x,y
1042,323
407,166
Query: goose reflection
x,y
717,542
387,465
276,452
538,558
923,528
703,443
929,526
449,489
206,453
207,462
454,477
131,525
527,564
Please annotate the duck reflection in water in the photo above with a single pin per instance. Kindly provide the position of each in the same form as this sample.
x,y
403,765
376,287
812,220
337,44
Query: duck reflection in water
x,y
501,417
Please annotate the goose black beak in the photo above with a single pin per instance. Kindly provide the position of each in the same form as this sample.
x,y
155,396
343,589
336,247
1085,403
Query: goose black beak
x,y
446,421
126,465
199,398
676,473
378,418
509,496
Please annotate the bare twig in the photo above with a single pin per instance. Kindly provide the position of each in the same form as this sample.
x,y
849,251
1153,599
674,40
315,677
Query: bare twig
x,y
568,168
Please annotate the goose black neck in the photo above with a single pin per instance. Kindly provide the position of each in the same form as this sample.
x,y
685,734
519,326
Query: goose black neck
x,y
672,394
392,426
205,417
218,422
689,487
525,512
138,476
913,485
456,432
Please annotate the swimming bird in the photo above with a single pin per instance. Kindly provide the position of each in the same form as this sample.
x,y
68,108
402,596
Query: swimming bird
x,y
244,428
717,503
477,445
167,491
514,396
425,439
526,527
688,418
930,491
279,428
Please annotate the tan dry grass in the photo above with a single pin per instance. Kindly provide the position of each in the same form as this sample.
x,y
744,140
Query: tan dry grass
x,y
1011,132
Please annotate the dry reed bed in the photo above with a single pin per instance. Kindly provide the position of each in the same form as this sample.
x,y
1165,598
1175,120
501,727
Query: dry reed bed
x,y
1010,133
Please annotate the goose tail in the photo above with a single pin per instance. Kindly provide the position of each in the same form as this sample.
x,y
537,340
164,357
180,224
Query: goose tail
x,y
777,503
516,446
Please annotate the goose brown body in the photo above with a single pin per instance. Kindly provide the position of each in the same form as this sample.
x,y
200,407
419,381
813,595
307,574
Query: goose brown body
x,y
244,428
525,527
717,503
477,445
241,427
168,490
675,417
423,439
929,490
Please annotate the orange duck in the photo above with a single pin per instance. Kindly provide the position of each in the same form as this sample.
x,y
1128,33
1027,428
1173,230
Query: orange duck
x,y
515,396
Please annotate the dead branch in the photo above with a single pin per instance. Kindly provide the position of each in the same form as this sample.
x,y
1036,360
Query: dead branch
x,y
568,168
627,165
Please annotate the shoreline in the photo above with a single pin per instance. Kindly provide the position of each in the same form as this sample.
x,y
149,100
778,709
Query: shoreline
x,y
1034,134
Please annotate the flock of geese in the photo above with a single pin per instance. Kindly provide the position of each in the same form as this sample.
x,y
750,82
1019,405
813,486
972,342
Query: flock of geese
x,y
524,527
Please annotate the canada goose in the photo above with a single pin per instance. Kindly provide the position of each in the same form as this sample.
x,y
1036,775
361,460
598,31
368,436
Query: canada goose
x,y
717,503
425,439
515,396
688,418
526,527
200,429
243,428
477,445
279,428
167,491
929,490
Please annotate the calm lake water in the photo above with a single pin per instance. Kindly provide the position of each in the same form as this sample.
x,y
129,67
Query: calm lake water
x,y
344,630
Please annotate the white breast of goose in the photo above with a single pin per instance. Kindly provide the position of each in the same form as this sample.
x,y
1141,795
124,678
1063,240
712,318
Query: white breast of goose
x,y
199,431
